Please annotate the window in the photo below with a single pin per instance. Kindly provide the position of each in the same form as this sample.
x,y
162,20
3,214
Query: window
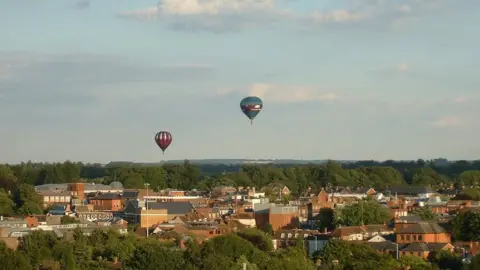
x,y
414,238
282,235
419,253
408,237
402,237
289,235
420,238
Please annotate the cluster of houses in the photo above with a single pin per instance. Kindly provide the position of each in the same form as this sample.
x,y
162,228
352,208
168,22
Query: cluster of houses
x,y
170,214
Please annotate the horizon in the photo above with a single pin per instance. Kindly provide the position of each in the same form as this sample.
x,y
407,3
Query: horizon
x,y
369,80
240,161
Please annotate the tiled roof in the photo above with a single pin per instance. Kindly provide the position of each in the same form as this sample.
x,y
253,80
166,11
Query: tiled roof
x,y
422,247
383,246
423,227
107,196
410,190
173,208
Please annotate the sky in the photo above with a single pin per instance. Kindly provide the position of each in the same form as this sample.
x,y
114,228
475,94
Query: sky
x,y
93,81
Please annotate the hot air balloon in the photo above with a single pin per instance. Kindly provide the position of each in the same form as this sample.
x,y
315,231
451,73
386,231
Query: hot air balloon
x,y
251,107
163,140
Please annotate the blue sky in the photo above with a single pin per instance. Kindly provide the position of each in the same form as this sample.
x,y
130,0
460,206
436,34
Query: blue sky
x,y
345,79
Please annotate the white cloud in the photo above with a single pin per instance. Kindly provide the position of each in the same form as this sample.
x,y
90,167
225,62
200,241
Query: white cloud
x,y
338,16
448,121
460,99
403,67
203,7
283,93
226,15
223,15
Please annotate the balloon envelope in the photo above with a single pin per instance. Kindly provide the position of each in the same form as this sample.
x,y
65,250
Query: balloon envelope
x,y
251,106
163,139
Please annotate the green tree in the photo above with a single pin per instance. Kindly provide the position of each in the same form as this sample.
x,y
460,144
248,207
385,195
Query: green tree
x,y
258,238
445,259
325,219
6,204
63,253
466,226
364,212
415,263
10,260
425,213
355,256
267,228
27,200
152,255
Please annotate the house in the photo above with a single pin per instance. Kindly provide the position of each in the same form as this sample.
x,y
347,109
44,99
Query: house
x,y
398,212
79,189
136,212
52,197
422,249
174,209
278,216
246,219
361,233
421,232
411,191
107,202
286,238
318,202
347,192
377,238
209,212
276,188
409,249
221,191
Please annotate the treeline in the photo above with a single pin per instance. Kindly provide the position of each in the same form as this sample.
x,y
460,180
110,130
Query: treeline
x,y
297,177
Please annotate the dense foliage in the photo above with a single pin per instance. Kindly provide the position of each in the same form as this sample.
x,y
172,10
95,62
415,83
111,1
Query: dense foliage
x,y
108,249
466,226
297,177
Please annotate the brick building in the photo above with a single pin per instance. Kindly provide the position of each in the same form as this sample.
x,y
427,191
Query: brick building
x,y
107,202
278,216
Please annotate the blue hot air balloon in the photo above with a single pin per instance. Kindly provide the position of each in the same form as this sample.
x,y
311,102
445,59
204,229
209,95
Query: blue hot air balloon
x,y
251,107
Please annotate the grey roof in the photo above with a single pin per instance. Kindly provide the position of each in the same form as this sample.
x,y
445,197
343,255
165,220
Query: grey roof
x,y
64,186
382,246
106,196
410,219
174,208
423,227
422,247
410,190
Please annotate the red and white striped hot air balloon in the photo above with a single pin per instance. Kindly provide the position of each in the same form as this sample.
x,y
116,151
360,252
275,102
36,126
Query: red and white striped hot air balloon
x,y
163,140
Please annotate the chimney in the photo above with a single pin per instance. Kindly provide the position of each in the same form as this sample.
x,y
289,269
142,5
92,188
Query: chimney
x,y
325,231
